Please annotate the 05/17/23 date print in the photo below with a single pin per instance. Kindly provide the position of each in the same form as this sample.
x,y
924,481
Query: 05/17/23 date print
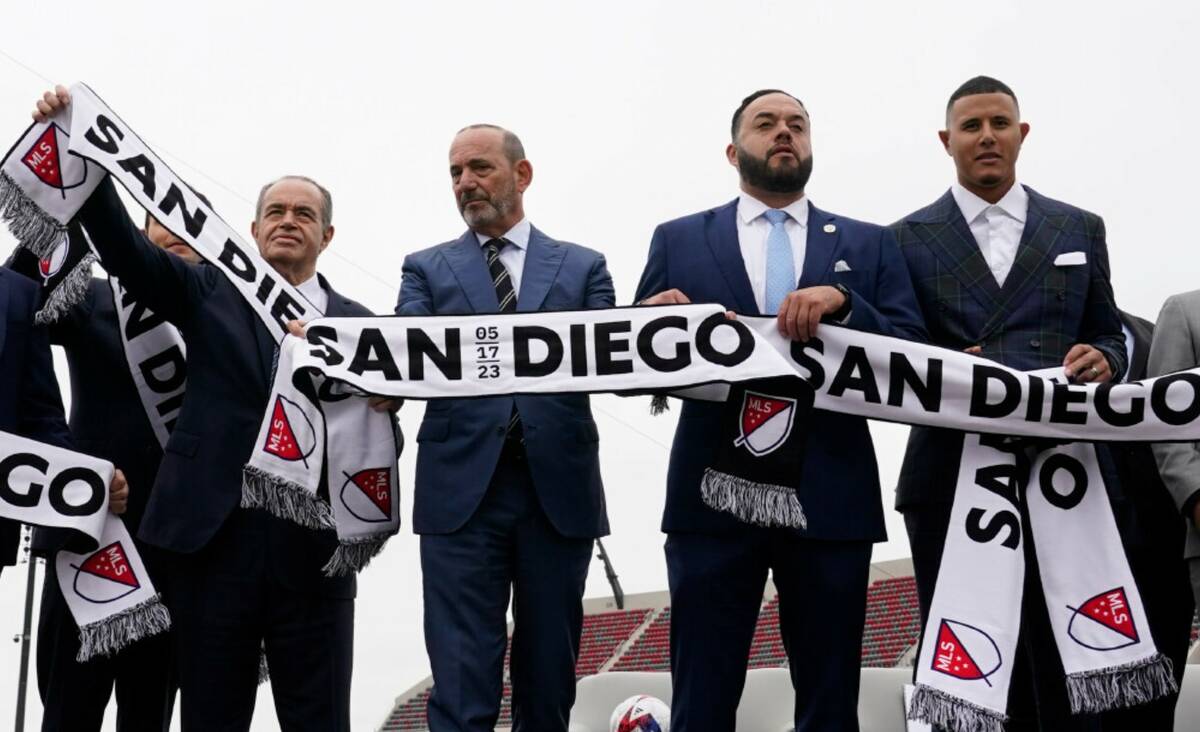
x,y
487,352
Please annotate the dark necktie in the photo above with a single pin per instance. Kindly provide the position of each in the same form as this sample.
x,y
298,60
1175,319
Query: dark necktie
x,y
507,297
505,294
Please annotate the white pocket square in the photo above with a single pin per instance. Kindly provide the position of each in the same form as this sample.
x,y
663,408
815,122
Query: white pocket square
x,y
1070,259
841,266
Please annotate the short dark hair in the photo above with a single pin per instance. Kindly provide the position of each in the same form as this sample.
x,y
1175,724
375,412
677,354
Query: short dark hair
x,y
513,149
981,85
196,193
326,198
737,113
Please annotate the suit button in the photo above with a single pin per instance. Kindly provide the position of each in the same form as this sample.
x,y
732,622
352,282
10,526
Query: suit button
x,y
500,431
1035,343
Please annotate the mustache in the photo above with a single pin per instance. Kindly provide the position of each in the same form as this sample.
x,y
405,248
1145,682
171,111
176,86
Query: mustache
x,y
466,198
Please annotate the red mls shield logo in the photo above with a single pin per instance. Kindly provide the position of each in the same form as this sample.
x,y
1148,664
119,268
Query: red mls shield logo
x,y
52,263
45,160
106,575
965,652
766,421
367,494
1104,622
291,435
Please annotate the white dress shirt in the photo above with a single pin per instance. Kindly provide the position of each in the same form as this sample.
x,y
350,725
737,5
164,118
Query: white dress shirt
x,y
996,227
513,257
315,294
753,229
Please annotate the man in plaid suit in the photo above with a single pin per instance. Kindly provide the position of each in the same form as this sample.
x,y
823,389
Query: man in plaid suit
x,y
1003,272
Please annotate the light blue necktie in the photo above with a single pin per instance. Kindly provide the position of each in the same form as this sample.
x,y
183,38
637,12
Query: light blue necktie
x,y
781,268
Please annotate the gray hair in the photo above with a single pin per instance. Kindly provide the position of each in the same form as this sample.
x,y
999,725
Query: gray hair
x,y
326,198
513,149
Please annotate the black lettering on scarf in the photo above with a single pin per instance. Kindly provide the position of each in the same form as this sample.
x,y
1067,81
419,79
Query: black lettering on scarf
x,y
816,372
140,167
709,352
928,392
980,376
1164,411
449,362
645,345
855,374
322,336
373,354
1062,396
111,134
607,346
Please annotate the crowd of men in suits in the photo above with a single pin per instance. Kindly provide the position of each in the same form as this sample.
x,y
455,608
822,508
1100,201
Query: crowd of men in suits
x,y
508,495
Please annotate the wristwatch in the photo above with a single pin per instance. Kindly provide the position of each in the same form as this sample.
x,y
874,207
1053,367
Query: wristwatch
x,y
843,312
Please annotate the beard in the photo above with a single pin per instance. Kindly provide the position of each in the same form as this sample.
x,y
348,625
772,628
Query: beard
x,y
498,206
758,173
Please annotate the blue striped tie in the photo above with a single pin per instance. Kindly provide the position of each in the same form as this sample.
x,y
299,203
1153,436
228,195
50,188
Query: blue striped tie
x,y
781,268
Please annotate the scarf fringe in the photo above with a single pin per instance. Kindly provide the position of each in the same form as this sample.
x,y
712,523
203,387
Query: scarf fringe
x,y
264,672
284,499
1126,685
762,504
659,405
32,227
71,291
352,555
109,635
940,709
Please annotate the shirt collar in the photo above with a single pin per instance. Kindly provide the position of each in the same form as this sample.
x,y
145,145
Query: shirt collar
x,y
518,235
1015,203
750,208
311,289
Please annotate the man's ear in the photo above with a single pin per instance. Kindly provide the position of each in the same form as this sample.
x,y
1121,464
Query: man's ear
x,y
327,238
944,136
731,154
524,170
1024,130
254,230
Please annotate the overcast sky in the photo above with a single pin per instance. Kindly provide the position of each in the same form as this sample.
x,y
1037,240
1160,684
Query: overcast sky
x,y
624,111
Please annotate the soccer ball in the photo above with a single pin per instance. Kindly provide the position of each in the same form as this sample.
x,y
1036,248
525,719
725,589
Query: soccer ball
x,y
641,713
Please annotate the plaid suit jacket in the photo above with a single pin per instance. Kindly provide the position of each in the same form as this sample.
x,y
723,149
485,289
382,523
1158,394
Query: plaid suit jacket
x,y
1042,309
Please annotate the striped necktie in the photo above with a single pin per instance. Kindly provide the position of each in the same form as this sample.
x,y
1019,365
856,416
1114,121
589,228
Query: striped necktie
x,y
505,294
507,297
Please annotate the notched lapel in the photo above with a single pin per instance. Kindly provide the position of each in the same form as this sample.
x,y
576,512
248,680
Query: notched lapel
x,y
820,248
720,233
543,259
466,262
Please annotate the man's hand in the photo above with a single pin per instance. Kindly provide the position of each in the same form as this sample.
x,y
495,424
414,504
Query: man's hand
x,y
1086,364
802,310
51,103
118,493
297,328
384,404
667,297
973,350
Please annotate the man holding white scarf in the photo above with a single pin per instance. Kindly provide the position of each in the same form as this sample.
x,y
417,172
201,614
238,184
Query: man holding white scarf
x,y
1005,273
111,413
241,580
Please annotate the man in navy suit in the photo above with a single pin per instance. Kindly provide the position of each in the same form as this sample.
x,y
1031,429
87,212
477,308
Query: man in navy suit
x,y
1008,274
770,251
508,491
109,421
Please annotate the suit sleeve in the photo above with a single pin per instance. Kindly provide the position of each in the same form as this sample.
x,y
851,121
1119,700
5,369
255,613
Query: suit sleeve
x,y
163,282
891,310
1101,326
41,415
654,276
1174,349
415,297
600,292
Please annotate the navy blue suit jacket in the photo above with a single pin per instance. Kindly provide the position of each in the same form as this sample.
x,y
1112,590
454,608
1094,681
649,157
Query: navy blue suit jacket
x,y
460,439
230,356
839,485
30,405
1029,323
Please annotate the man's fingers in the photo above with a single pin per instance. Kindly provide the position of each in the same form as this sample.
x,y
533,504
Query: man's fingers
x,y
296,328
667,297
384,404
62,93
973,350
814,321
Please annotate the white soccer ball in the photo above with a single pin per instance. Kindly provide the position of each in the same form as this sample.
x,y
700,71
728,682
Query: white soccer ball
x,y
641,713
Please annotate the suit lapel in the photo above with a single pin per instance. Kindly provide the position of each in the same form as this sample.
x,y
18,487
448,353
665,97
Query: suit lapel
x,y
822,242
469,268
543,258
948,236
1038,242
720,233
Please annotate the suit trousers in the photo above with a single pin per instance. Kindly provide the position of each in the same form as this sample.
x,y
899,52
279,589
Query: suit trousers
x,y
74,695
228,605
1037,697
717,582
508,543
